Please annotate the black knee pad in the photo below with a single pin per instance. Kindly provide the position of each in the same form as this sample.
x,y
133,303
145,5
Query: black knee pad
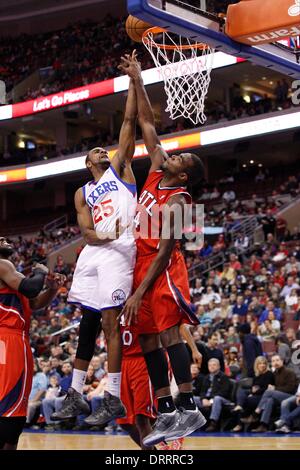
x,y
88,332
157,366
180,363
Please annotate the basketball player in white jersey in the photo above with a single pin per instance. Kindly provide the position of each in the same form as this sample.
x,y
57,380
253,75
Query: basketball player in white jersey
x,y
103,276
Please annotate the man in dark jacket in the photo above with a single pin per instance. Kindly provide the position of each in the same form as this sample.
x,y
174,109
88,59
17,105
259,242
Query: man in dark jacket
x,y
251,348
209,351
285,387
215,392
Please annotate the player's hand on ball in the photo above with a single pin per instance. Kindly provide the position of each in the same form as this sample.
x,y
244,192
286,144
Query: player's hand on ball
x,y
131,308
55,280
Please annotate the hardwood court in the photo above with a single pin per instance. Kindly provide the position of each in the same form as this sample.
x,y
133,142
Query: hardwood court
x,y
83,441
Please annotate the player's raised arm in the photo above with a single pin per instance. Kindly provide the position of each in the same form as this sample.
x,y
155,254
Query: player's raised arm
x,y
123,157
145,113
86,224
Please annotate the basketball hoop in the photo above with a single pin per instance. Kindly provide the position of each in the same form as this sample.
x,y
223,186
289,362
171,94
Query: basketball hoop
x,y
185,67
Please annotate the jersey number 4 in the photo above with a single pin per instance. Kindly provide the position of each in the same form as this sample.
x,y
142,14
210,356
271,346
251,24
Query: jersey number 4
x,y
103,210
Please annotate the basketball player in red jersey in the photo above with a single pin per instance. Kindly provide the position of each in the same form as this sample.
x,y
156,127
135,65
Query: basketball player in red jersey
x,y
136,389
161,290
18,297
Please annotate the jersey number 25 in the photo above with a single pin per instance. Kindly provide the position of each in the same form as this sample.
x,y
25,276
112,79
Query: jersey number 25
x,y
103,210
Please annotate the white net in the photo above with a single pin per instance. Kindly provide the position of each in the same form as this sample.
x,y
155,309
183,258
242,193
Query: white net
x,y
185,67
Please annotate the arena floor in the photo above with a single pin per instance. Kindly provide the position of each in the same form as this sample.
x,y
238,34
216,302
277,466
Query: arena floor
x,y
199,441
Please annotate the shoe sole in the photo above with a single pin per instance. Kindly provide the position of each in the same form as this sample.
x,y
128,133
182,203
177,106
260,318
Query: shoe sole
x,y
151,441
199,424
148,441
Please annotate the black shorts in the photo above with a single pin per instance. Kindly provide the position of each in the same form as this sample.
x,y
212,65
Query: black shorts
x,y
10,430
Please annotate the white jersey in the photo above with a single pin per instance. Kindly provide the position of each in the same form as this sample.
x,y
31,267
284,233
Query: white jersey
x,y
110,199
104,274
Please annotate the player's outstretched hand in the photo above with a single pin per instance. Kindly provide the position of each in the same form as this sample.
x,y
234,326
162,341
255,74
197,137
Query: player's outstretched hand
x,y
131,308
130,66
55,280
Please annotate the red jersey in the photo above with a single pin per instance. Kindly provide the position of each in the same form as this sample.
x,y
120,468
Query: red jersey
x,y
15,311
148,218
16,362
131,346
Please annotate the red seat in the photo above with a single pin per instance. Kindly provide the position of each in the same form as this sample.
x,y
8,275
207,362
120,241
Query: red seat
x,y
290,323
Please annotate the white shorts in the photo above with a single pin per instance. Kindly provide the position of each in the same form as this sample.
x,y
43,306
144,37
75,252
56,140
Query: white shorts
x,y
103,275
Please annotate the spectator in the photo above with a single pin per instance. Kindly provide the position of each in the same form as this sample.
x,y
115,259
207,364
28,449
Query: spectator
x,y
233,363
283,348
251,348
50,405
234,262
210,296
212,352
241,243
292,300
290,285
240,308
231,336
270,307
99,372
290,411
229,196
215,393
270,328
285,384
38,389
206,250
197,380
247,399
225,309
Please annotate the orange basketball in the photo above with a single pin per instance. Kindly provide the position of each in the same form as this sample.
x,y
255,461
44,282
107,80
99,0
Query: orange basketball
x,y
136,27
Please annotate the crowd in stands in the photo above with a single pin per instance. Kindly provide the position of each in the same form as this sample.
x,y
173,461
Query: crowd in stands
x,y
83,52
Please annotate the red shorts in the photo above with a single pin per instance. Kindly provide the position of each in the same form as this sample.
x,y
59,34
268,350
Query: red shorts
x,y
167,303
16,371
136,390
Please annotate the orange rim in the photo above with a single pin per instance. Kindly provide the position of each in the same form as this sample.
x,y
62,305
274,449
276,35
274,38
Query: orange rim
x,y
157,30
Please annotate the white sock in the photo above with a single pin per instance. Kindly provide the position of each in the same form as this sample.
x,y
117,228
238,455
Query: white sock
x,y
114,384
78,380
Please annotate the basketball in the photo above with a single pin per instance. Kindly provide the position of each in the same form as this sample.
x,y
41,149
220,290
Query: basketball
x,y
136,27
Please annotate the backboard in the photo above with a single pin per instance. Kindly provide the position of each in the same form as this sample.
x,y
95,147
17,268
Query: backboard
x,y
205,21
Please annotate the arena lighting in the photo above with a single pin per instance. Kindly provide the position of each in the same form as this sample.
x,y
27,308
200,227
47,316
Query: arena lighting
x,y
180,142
95,90
251,128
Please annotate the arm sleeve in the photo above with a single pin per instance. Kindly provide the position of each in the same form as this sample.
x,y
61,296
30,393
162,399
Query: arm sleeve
x,y
30,287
